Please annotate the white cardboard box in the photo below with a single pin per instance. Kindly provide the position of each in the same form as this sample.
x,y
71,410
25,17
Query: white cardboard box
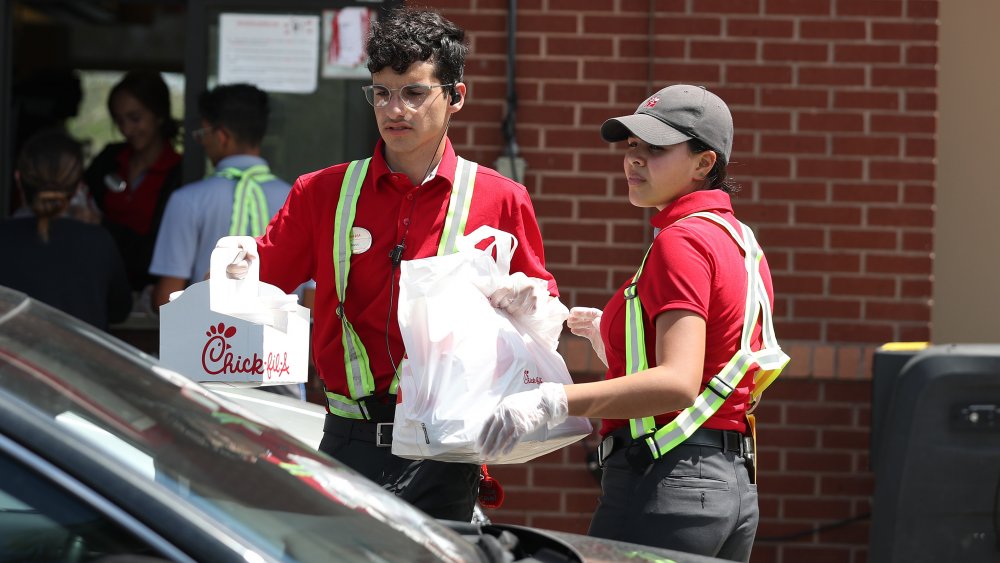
x,y
243,332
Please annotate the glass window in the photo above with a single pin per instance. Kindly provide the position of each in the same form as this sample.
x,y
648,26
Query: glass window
x,y
309,132
39,521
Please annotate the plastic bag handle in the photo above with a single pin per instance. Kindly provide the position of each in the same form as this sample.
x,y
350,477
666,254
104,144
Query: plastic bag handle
x,y
504,244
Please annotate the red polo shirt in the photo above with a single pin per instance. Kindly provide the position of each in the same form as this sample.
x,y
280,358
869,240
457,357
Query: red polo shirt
x,y
694,265
298,246
135,206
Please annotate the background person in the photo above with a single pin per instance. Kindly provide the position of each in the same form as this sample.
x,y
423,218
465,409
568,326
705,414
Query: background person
x,y
69,264
132,181
685,308
239,198
416,58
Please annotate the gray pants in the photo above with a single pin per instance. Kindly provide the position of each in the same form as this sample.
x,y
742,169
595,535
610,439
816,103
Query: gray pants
x,y
694,499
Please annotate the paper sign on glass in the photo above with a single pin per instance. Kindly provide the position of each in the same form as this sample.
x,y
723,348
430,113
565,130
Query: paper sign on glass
x,y
276,53
344,34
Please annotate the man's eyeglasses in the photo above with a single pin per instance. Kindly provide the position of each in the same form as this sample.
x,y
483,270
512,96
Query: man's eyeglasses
x,y
412,95
199,134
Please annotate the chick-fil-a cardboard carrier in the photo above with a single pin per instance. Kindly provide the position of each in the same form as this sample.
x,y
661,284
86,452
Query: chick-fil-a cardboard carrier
x,y
244,332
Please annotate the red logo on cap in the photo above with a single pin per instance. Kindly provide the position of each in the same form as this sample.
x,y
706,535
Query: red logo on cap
x,y
652,101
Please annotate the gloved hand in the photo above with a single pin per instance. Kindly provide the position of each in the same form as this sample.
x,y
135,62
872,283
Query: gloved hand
x,y
520,414
520,294
244,252
586,322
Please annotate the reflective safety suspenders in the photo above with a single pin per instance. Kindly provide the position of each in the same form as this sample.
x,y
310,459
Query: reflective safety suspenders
x,y
769,359
250,213
360,380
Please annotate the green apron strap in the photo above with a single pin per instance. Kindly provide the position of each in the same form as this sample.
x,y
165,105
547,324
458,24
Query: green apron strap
x,y
250,213
769,359
360,380
458,206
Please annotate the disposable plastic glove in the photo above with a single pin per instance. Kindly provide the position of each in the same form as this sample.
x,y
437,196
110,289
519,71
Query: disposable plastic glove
x,y
244,252
586,322
520,414
519,295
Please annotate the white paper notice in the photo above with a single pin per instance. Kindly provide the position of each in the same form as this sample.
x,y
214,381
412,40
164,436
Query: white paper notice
x,y
275,53
344,35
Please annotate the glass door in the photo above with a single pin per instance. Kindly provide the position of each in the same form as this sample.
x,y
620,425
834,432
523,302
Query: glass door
x,y
319,116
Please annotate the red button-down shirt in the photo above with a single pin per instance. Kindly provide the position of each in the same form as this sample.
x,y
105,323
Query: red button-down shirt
x,y
694,265
298,246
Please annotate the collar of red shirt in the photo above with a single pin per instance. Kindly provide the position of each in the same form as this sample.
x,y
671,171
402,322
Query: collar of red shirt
x,y
701,200
168,159
445,169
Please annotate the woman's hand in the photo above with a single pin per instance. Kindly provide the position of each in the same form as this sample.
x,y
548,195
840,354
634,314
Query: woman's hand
x,y
586,322
521,414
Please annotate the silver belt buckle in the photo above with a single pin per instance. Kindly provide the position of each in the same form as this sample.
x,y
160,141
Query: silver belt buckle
x,y
605,449
383,429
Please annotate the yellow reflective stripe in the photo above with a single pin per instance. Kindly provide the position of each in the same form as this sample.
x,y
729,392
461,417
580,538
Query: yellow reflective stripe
x,y
394,384
458,206
263,215
360,381
343,406
344,221
249,202
771,367
635,343
239,196
689,420
642,426
706,404
770,359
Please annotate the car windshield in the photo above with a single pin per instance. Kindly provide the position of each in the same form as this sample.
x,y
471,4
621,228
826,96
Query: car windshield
x,y
290,501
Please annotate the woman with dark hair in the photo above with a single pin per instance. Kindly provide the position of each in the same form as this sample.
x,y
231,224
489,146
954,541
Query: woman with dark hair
x,y
688,340
132,181
71,265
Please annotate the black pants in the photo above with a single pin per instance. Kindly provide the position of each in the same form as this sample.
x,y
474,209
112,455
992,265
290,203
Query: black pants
x,y
442,490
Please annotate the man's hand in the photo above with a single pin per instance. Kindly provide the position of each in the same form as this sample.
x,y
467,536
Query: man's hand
x,y
244,252
520,295
520,414
586,322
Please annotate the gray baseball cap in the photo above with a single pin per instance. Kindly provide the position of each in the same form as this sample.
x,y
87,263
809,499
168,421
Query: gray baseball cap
x,y
674,115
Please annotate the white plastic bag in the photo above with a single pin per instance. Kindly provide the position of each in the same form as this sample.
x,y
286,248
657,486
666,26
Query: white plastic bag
x,y
464,356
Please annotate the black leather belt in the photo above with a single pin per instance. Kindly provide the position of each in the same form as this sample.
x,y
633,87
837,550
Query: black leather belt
x,y
377,429
378,433
640,456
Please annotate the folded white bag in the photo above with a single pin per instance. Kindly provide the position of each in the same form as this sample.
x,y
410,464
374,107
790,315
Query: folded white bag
x,y
464,356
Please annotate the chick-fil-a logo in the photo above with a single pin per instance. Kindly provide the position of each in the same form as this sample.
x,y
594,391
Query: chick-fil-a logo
x,y
216,359
528,379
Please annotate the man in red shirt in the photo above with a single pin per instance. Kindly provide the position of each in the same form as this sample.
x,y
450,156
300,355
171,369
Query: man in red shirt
x,y
403,207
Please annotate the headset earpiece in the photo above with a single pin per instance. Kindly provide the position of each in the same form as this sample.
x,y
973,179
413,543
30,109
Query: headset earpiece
x,y
455,96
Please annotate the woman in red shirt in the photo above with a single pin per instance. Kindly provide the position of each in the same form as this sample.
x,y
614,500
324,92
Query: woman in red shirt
x,y
677,445
132,181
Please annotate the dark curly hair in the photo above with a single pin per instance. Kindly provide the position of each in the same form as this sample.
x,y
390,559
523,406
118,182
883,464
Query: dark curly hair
x,y
408,35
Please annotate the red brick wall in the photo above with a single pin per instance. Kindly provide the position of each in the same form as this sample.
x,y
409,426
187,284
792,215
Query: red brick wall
x,y
813,440
834,105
